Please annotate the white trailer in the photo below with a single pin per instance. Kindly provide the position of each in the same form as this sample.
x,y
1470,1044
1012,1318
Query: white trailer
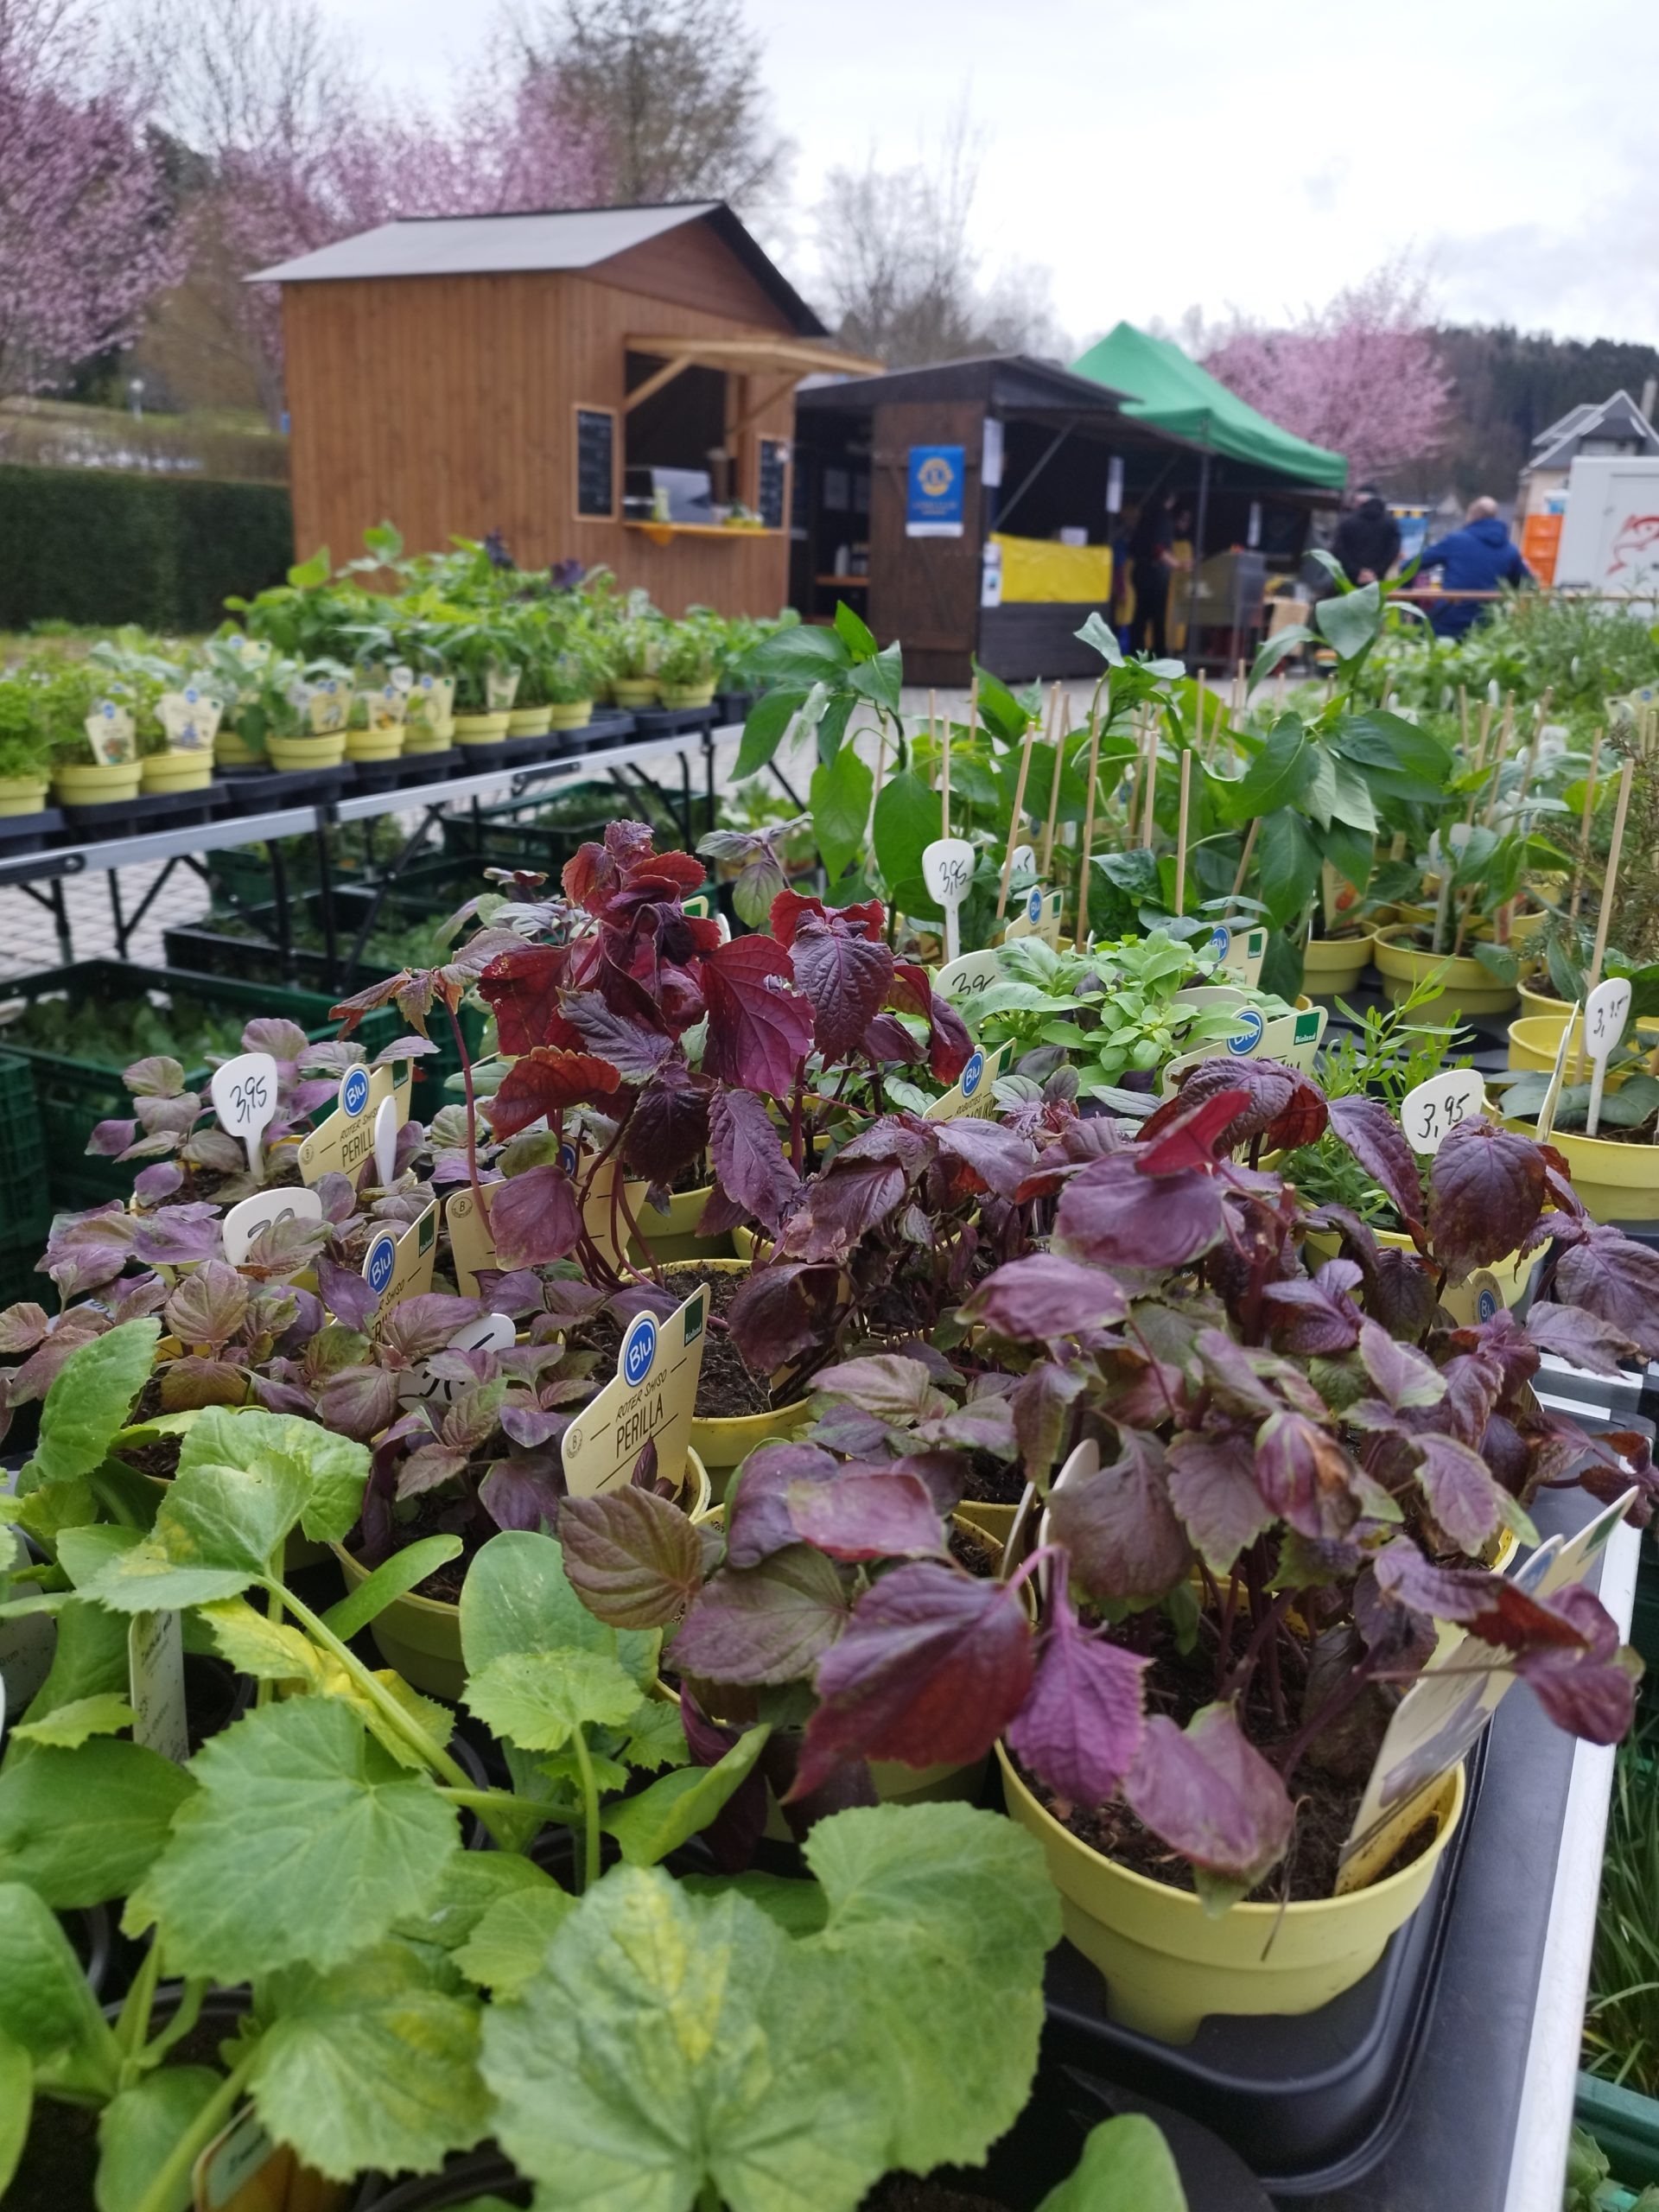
x,y
1610,534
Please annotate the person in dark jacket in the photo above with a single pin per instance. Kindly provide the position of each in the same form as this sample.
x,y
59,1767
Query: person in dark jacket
x,y
1152,560
1368,537
1478,557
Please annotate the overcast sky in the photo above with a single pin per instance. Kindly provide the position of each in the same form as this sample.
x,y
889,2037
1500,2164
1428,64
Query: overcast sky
x,y
1208,152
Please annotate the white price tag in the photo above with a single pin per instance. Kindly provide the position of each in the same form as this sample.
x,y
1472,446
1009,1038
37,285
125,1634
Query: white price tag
x,y
947,870
1606,1012
493,1333
243,1222
1025,860
962,980
1431,1112
386,1126
155,1674
245,1098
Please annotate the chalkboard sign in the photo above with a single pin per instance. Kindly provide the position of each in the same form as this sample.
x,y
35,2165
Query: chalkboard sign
x,y
595,462
774,478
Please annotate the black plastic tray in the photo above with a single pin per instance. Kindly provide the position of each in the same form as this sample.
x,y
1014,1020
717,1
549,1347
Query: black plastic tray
x,y
256,790
430,767
130,817
669,721
1309,2102
733,706
392,775
478,760
29,833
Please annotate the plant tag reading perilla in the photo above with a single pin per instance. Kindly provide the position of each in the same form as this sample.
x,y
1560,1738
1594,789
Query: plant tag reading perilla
x,y
111,733
190,717
155,1674
346,1138
975,1094
648,1400
396,1267
472,1247
500,687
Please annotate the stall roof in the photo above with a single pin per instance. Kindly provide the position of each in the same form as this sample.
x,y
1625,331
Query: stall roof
x,y
554,238
1003,384
1162,385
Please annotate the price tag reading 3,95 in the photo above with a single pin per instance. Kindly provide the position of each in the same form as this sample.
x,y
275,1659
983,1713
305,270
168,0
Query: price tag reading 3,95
x,y
1429,1114
1606,1012
947,870
244,1099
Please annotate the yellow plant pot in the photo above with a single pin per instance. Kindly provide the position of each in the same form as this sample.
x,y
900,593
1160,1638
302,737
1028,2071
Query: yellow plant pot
x,y
635,691
1465,986
231,750
1524,928
570,714
725,1442
374,744
23,794
482,729
429,737
1535,1037
175,772
93,784
1335,964
528,722
1476,1299
294,755
1615,1182
421,1637
1168,1963
688,695
672,1235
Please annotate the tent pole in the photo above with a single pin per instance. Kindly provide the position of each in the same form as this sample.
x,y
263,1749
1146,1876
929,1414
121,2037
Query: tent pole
x,y
1197,552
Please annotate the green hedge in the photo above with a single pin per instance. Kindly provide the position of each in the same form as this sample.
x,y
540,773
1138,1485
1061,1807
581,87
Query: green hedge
x,y
95,545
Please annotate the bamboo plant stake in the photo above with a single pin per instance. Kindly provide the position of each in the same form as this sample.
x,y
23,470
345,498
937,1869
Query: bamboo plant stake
x,y
1462,718
1583,860
1084,858
1180,833
1060,736
1149,817
1013,822
1505,732
1605,912
1244,857
1198,712
932,737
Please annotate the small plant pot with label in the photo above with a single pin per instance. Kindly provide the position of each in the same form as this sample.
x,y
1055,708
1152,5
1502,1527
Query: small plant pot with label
x,y
421,1637
528,722
635,691
1464,985
570,714
482,729
1535,1037
1614,1182
94,783
1331,964
22,795
724,1441
688,695
430,737
176,771
385,744
1168,1963
294,755
231,750
672,1235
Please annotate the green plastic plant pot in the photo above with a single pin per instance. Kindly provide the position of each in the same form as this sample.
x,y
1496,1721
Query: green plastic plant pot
x,y
1624,2123
670,1235
374,744
89,783
1615,1182
175,772
1534,1037
23,794
1465,986
1167,1964
570,714
429,737
421,1637
482,729
294,755
1335,964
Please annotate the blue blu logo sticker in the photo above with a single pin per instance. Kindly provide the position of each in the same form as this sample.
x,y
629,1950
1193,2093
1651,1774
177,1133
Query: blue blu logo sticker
x,y
354,1092
1247,1035
972,1074
1220,938
1034,907
639,1350
1486,1304
382,1257
568,1159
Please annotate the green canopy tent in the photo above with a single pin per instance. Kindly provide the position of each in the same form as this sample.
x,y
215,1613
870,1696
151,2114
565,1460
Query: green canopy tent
x,y
1165,388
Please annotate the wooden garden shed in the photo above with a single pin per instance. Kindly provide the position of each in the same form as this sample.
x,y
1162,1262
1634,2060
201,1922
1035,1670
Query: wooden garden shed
x,y
604,384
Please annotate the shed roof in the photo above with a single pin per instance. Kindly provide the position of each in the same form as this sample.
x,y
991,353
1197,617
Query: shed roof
x,y
1015,383
553,238
1618,419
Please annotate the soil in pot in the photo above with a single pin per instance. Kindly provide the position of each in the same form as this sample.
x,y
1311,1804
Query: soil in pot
x,y
993,1481
59,2161
905,2193
726,1386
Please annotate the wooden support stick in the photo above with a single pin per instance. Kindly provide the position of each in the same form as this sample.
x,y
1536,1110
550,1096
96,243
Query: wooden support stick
x,y
1180,833
1605,912
1583,861
1060,736
1506,733
1085,858
1462,718
1149,817
1013,823
1244,857
944,786
932,737
1198,712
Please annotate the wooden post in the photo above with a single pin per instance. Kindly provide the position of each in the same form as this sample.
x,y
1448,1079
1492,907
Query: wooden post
x,y
1180,833
1605,912
1063,716
1583,861
1013,823
1085,857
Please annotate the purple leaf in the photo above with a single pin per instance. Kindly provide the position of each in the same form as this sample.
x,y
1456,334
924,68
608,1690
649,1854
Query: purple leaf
x,y
1573,1334
1486,1192
765,1624
747,1157
285,1041
345,1295
784,1309
888,1040
1306,1477
532,1426
737,1828
1615,1279
1041,1404
1081,1723
428,1467
1210,1796
758,1520
846,975
932,1667
633,1558
1000,1157
1461,1494
170,1117
1587,1691
211,1148
284,1246
1184,1136
158,1076
842,1205
1278,1103
524,1492
865,1515
188,1383
1114,1215
22,1326
1400,1374
208,1306
1041,1297
889,1384
1378,1143
1119,1528
151,1185
668,1126
534,1218
175,1236
760,1026
1313,1316
358,1401
110,1140
1212,1486
420,1326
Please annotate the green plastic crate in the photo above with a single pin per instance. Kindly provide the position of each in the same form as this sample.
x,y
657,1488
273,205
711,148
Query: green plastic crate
x,y
72,1096
1625,2124
25,1204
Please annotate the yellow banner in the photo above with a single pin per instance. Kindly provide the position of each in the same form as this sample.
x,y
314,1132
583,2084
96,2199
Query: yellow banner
x,y
1039,568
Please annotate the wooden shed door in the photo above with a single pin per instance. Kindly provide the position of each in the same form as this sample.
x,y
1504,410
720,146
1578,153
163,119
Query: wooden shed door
x,y
924,590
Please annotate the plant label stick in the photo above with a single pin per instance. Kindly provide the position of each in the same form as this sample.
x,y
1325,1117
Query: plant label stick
x,y
1063,732
1086,859
962,980
1604,910
346,1138
243,1222
396,1268
1606,1012
947,870
156,1685
1013,823
1552,1096
1583,860
1434,1110
1081,1467
648,1400
385,1142
245,1098
975,1095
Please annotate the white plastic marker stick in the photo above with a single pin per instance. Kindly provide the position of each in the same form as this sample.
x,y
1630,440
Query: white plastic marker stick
x,y
1552,1096
1608,881
243,1222
1180,833
1430,1113
1013,821
1058,729
1604,1013
947,870
245,1098
1025,859
1149,813
1583,860
385,1143
1086,860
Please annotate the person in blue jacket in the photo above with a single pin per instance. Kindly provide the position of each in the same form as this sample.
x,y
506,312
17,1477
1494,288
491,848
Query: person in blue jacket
x,y
1478,557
